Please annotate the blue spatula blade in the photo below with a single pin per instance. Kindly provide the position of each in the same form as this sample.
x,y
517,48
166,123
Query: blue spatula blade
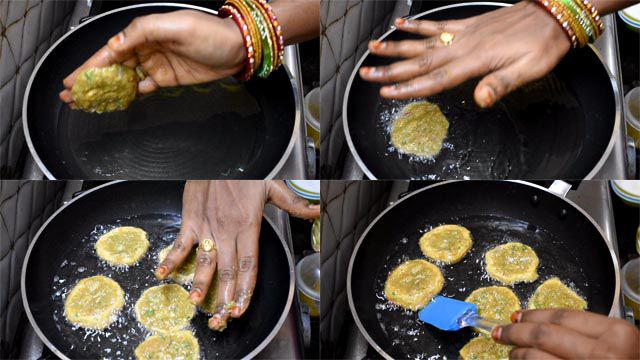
x,y
445,313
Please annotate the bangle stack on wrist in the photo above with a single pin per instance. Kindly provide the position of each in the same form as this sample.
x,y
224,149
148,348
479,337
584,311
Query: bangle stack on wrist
x,y
579,19
262,36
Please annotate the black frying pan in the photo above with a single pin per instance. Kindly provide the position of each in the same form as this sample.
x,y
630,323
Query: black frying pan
x,y
567,241
218,130
560,127
62,253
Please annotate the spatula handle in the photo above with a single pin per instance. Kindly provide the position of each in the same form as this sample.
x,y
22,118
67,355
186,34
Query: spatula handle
x,y
482,323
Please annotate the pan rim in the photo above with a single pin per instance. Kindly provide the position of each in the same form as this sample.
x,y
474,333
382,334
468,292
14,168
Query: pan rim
x,y
614,84
25,126
356,318
267,340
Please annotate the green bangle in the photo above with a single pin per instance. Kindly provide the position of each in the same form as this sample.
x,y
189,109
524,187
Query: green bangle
x,y
266,66
582,18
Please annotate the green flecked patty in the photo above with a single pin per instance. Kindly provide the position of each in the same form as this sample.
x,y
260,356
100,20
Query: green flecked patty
x,y
105,89
420,129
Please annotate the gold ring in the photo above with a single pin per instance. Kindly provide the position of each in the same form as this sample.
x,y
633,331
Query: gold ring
x,y
447,38
207,245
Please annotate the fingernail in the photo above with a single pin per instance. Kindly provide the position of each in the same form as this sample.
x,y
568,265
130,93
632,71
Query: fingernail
x,y
489,96
377,45
496,333
390,89
216,323
516,317
213,322
400,21
161,272
236,311
119,39
195,296
366,70
314,206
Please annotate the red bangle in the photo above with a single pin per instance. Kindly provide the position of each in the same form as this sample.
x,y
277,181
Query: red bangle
x,y
231,12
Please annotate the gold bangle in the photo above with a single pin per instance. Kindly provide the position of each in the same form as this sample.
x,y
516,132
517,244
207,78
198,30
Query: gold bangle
x,y
582,19
554,9
578,29
273,39
277,29
253,29
593,14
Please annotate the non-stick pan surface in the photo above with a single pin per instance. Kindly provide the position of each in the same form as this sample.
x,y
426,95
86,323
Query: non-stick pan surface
x,y
217,130
568,243
62,253
559,127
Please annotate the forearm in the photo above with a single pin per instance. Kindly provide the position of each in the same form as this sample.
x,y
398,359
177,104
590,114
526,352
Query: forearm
x,y
300,19
608,6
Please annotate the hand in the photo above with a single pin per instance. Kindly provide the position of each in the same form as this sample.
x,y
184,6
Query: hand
x,y
554,334
229,213
513,45
177,48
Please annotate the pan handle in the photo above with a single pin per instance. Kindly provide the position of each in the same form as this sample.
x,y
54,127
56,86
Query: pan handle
x,y
560,187
628,314
85,19
311,158
82,20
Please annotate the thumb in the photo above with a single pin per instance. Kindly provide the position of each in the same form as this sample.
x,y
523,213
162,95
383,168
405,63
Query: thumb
x,y
281,196
501,82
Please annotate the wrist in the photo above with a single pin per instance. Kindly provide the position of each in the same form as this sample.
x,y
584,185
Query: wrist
x,y
237,49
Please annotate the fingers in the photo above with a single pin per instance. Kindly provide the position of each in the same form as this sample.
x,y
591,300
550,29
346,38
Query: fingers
x,y
227,259
530,354
430,28
66,97
247,268
193,199
103,57
554,339
179,252
583,322
142,30
122,47
499,83
440,79
281,196
406,48
407,69
203,276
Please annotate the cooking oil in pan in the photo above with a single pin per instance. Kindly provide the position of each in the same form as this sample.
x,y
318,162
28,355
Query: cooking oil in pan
x,y
475,147
523,134
172,133
119,340
411,337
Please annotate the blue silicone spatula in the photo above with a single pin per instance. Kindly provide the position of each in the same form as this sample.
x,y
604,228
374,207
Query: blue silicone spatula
x,y
452,315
